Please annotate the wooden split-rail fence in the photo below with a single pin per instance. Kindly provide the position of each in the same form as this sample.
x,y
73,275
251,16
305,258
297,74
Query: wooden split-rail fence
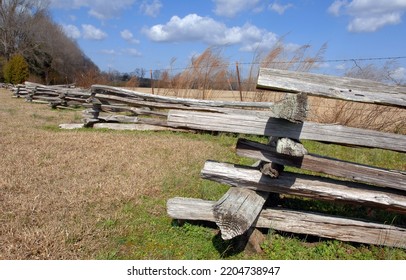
x,y
242,208
57,96
122,109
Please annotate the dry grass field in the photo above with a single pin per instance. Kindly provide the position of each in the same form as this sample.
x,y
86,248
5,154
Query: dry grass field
x,y
59,190
87,194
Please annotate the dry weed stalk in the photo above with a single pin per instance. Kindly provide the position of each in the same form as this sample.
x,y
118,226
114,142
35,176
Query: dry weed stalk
x,y
360,115
280,57
209,73
206,72
368,116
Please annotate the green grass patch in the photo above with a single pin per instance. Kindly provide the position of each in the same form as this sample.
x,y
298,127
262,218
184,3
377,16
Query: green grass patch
x,y
151,234
374,157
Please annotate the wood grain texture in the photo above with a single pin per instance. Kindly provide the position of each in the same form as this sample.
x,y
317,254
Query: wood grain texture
x,y
350,89
129,94
128,126
262,125
326,226
305,185
293,107
237,210
108,99
349,170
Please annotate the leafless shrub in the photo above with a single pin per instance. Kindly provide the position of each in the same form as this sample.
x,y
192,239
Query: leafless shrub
x,y
90,77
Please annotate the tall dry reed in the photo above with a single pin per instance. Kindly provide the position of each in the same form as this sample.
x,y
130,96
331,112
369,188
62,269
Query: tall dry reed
x,y
210,72
205,73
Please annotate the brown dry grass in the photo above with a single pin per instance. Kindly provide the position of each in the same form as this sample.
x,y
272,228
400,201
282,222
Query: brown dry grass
x,y
58,187
356,114
206,72
360,115
210,72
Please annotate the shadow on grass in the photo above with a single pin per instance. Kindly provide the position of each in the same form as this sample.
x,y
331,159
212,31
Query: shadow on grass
x,y
229,248
225,248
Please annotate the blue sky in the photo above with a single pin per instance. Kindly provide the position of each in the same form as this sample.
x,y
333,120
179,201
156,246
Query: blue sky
x,y
124,35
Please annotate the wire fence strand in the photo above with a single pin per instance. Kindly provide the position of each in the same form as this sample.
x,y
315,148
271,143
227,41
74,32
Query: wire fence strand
x,y
251,63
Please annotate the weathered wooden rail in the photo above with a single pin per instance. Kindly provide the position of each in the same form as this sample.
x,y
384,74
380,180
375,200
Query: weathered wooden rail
x,y
357,172
343,88
116,108
271,126
242,207
300,222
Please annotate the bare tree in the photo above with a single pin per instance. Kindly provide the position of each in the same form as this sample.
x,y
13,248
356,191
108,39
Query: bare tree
x,y
58,57
140,72
384,73
16,18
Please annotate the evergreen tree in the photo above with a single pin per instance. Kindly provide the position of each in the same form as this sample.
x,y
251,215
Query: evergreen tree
x,y
16,70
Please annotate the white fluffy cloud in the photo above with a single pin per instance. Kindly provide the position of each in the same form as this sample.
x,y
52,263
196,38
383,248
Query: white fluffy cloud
x,y
279,8
151,8
373,23
230,8
335,8
132,52
122,52
72,31
194,28
88,32
129,36
369,15
126,34
108,52
100,9
92,33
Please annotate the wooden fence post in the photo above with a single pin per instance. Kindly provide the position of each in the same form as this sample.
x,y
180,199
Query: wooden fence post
x,y
152,81
30,95
91,116
239,80
17,93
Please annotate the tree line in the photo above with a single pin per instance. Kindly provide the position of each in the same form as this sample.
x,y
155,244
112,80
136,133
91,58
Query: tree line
x,y
33,46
